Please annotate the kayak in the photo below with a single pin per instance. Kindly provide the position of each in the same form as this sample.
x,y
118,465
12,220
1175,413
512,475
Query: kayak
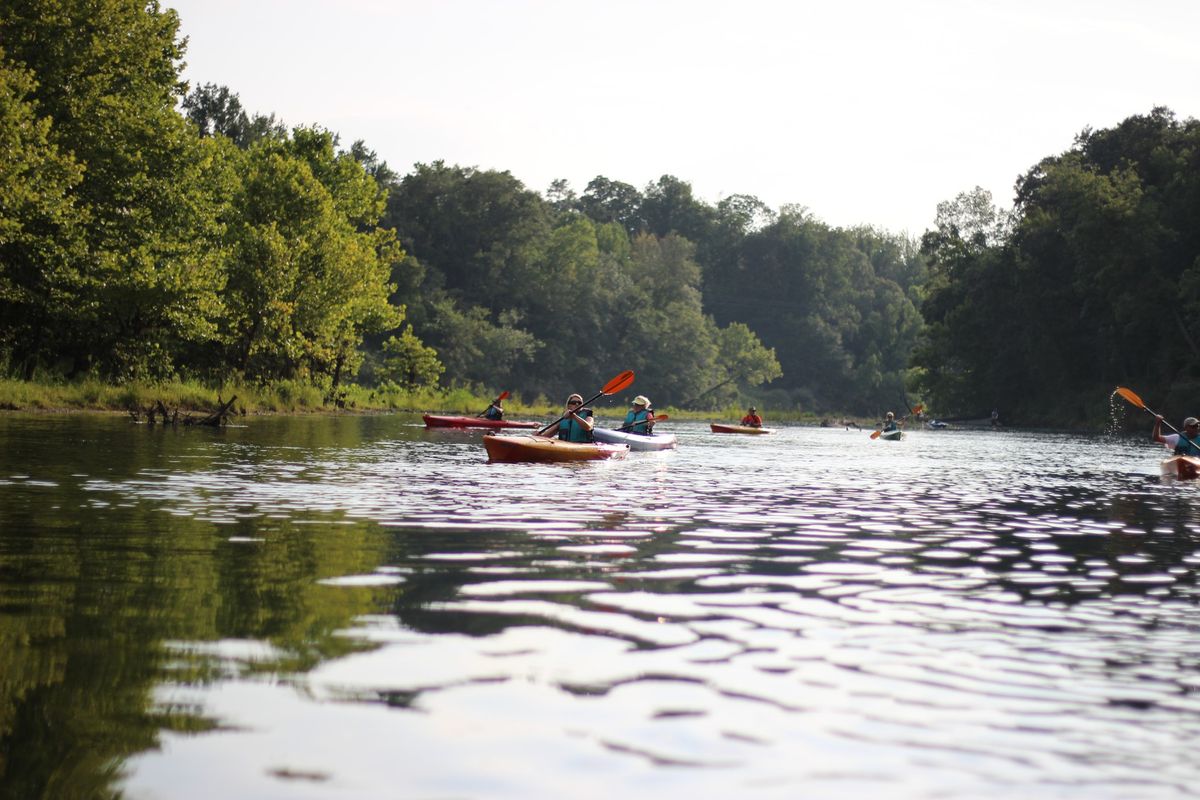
x,y
638,442
436,421
1183,467
936,425
719,428
526,447
892,436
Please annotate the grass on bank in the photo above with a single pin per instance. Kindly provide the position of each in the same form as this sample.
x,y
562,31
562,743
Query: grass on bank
x,y
294,397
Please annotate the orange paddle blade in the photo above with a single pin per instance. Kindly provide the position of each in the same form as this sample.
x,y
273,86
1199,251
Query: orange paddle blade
x,y
918,408
503,395
875,435
1129,395
618,383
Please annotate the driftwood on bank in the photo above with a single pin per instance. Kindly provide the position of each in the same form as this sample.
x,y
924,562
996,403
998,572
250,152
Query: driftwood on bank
x,y
158,412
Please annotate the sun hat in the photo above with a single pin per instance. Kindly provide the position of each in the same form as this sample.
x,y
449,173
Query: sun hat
x,y
641,400
1191,421
578,397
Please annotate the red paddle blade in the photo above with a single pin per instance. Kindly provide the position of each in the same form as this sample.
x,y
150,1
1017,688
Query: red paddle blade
x,y
918,408
1129,395
502,396
618,383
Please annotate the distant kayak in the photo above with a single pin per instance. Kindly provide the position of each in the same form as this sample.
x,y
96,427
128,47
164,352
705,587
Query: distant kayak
x,y
638,442
1185,468
719,428
437,421
936,425
526,447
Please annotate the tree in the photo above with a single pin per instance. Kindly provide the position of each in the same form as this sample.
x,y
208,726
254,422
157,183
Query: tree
x,y
107,78
40,239
308,276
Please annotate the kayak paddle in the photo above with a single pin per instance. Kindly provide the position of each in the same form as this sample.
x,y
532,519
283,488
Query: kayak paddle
x,y
618,383
657,418
499,399
1132,397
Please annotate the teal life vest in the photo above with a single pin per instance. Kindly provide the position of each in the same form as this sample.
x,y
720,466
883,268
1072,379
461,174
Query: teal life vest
x,y
493,413
1186,447
571,431
636,421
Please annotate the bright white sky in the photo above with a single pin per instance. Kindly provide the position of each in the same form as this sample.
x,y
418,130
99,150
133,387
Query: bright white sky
x,y
864,111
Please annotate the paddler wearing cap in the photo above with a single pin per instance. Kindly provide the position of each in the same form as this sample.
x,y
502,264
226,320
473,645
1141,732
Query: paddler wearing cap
x,y
752,418
640,417
577,422
1185,443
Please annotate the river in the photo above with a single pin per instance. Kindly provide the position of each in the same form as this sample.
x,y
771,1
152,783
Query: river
x,y
355,607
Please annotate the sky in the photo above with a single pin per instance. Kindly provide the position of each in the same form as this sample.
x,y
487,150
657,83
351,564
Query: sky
x,y
862,111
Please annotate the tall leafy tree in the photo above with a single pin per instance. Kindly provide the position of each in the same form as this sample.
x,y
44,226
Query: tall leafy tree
x,y
107,77
40,240
308,276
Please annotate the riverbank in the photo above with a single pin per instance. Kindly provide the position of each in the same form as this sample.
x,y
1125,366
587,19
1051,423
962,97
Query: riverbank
x,y
294,397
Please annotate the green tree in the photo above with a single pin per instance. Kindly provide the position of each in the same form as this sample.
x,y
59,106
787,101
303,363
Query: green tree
x,y
40,239
107,77
308,275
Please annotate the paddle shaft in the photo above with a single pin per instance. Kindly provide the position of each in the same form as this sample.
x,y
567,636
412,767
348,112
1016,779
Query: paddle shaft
x,y
1129,395
618,383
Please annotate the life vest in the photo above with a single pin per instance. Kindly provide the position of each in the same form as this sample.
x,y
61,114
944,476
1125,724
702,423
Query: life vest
x,y
1186,447
493,413
752,420
890,426
636,421
571,431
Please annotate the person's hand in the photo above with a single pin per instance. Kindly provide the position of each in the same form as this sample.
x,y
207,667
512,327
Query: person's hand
x,y
1158,417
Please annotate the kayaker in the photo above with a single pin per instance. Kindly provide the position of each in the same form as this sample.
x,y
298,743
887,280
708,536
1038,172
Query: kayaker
x,y
1185,444
577,422
639,418
495,410
889,423
752,419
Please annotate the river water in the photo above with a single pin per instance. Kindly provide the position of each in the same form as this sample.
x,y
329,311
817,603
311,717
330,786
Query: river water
x,y
354,607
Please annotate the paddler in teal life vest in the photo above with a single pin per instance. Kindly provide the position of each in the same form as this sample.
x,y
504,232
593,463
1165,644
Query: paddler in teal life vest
x,y
1184,444
639,418
577,423
889,423
495,410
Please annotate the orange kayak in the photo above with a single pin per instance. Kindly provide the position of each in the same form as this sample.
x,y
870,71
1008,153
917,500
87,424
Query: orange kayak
x,y
528,447
719,428
1185,468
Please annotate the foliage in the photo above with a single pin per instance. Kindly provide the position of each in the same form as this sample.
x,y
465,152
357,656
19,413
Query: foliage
x,y
1091,284
408,363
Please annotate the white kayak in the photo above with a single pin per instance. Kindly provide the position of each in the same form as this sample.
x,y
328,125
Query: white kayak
x,y
638,442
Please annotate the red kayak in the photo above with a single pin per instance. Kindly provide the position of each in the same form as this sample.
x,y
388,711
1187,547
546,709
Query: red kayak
x,y
436,421
1185,468
719,428
541,448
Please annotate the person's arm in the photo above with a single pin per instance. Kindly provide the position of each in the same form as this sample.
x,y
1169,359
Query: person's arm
x,y
586,421
1156,434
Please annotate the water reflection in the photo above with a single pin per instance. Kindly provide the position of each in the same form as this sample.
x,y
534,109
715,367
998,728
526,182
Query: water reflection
x,y
355,605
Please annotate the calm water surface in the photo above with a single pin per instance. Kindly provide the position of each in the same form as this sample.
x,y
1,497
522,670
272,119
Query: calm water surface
x,y
357,608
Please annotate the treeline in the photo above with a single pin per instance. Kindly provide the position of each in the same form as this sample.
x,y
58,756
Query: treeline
x,y
1092,281
151,232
